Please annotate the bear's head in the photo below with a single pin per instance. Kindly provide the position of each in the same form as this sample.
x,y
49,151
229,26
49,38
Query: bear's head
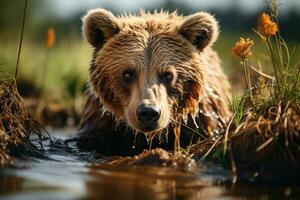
x,y
147,69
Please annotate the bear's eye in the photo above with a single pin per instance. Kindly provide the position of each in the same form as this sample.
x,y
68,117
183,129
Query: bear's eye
x,y
167,77
128,75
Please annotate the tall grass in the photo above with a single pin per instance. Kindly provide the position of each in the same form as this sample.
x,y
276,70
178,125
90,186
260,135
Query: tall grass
x,y
287,87
284,87
263,133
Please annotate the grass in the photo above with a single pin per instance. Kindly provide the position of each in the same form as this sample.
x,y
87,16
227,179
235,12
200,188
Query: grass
x,y
16,127
284,88
57,76
15,124
66,59
264,132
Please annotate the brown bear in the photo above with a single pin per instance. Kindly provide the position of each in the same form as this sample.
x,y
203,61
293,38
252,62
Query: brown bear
x,y
152,76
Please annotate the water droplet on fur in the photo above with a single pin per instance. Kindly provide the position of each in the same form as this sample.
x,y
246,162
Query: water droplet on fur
x,y
134,140
117,124
194,120
147,139
151,140
167,135
185,119
160,138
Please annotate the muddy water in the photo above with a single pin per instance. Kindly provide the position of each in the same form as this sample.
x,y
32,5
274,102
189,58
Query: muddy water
x,y
64,173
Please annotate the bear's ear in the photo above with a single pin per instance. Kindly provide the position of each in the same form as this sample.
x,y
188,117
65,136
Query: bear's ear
x,y
98,26
201,29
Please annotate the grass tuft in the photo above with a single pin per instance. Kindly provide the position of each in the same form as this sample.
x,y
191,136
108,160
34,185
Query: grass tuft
x,y
12,118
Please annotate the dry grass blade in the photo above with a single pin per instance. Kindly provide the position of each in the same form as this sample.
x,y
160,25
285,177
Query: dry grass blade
x,y
264,144
211,148
227,132
233,165
261,73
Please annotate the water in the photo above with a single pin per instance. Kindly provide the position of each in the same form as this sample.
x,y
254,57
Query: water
x,y
69,174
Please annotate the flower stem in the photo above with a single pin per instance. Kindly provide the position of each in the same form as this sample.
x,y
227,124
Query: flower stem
x,y
248,79
275,67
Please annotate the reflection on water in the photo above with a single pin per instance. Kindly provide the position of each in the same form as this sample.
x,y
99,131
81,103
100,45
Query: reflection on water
x,y
69,180
67,174
148,183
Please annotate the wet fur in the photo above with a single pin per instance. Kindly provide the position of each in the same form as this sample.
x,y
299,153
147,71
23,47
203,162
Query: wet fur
x,y
197,100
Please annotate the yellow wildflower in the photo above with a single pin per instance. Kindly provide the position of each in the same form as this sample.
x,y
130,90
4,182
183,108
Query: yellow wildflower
x,y
50,37
266,26
242,48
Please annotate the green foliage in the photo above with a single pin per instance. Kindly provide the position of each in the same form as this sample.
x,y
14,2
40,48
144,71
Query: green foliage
x,y
237,106
287,87
59,70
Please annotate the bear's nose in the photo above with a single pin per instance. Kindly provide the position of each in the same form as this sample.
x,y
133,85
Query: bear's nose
x,y
148,114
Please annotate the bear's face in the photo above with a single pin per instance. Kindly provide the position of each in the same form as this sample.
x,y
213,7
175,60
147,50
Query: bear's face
x,y
148,70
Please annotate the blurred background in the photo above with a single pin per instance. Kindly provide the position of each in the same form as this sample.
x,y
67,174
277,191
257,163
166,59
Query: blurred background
x,y
55,59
